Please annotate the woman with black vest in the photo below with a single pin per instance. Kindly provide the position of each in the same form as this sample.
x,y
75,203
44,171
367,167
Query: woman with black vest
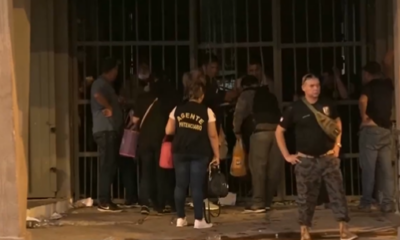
x,y
195,140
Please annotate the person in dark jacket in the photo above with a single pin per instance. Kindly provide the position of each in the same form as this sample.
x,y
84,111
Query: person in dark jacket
x,y
257,115
156,183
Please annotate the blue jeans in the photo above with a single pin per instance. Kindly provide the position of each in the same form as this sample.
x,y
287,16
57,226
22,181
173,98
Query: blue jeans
x,y
189,170
376,157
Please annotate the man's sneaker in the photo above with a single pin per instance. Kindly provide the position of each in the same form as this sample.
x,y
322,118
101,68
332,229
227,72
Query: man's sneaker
x,y
210,206
108,207
128,205
254,209
201,224
145,210
345,233
181,222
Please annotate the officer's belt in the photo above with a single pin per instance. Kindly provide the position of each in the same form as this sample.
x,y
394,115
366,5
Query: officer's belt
x,y
328,153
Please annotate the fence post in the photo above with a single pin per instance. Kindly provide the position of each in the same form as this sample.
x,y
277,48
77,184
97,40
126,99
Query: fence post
x,y
193,32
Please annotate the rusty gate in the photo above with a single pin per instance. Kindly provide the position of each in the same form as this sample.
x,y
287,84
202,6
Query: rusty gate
x,y
292,37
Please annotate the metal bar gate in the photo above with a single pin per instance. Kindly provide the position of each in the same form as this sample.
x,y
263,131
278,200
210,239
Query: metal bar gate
x,y
292,37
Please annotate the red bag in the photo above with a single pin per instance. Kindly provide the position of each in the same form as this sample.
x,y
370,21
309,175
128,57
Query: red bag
x,y
166,155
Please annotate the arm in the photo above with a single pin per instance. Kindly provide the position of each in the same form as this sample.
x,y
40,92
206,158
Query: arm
x,y
362,104
213,133
96,91
242,110
280,140
339,137
340,87
170,128
286,122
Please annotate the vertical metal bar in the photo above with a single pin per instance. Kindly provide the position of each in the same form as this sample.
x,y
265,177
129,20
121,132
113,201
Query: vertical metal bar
x,y
75,108
294,42
163,33
98,67
276,38
192,32
308,52
396,43
176,47
247,29
353,8
110,23
222,41
363,25
334,31
321,54
124,64
123,48
137,33
150,59
260,34
234,36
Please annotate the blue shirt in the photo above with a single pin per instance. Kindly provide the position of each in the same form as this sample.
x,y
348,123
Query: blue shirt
x,y
100,122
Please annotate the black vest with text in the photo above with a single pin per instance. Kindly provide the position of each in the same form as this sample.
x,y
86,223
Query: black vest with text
x,y
191,130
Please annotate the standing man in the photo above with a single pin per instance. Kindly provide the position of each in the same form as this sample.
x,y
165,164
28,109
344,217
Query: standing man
x,y
375,105
107,125
318,134
256,117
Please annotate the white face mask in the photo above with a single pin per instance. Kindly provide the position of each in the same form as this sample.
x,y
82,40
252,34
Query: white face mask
x,y
143,76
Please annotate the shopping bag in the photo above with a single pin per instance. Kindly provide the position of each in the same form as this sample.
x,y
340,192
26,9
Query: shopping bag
x,y
166,154
238,165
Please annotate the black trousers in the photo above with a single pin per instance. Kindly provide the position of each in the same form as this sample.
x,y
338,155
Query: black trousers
x,y
156,184
108,143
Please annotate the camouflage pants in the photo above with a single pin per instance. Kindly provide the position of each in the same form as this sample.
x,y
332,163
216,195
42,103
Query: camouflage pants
x,y
309,174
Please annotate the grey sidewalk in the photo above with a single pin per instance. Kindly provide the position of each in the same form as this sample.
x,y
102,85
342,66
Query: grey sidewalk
x,y
88,224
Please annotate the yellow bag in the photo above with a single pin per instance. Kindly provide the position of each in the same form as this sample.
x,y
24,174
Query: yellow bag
x,y
238,165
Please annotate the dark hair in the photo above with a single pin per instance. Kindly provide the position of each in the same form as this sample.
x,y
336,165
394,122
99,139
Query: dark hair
x,y
108,64
209,58
372,68
308,76
248,80
255,60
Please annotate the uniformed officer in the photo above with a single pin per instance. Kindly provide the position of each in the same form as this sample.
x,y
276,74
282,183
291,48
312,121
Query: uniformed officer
x,y
316,157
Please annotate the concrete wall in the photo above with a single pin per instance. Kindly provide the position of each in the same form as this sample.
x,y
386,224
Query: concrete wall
x,y
41,53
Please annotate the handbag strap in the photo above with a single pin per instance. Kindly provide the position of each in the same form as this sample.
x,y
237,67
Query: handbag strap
x,y
311,107
147,112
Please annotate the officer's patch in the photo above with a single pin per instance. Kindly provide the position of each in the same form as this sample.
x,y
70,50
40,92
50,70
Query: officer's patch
x,y
326,110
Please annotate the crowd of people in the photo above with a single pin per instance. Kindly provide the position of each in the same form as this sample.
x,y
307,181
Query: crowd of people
x,y
192,121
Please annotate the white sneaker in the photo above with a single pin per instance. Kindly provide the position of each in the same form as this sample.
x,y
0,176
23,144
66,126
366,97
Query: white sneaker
x,y
210,206
201,224
181,222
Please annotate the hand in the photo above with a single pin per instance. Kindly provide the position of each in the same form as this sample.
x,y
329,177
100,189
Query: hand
x,y
292,159
215,161
107,112
336,151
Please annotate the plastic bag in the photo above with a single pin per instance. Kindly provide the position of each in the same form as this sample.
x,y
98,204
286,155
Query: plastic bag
x,y
238,165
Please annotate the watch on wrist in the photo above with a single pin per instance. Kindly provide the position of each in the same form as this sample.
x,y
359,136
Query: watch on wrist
x,y
339,145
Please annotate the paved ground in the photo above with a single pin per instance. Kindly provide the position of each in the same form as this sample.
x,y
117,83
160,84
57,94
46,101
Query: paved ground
x,y
88,224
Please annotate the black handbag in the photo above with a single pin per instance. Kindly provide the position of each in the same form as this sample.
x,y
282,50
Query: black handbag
x,y
217,188
217,185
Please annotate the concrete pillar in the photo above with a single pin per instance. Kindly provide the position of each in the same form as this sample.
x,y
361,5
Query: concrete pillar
x,y
22,39
62,90
380,29
13,172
